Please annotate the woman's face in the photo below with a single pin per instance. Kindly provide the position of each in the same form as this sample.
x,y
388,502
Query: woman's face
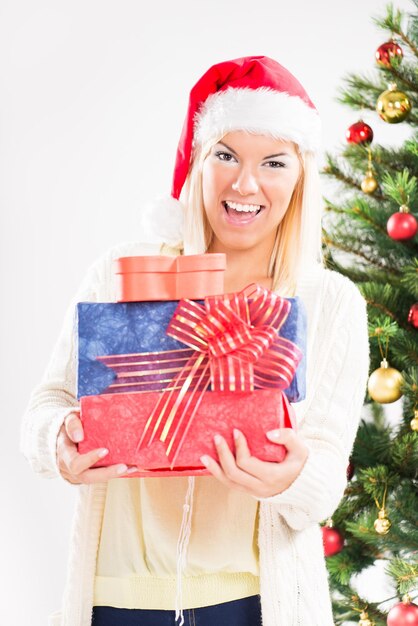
x,y
248,181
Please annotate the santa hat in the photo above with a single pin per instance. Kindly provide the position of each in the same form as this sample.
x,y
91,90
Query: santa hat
x,y
251,93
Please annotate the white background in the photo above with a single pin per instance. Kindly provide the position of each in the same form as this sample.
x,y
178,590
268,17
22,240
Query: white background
x,y
92,104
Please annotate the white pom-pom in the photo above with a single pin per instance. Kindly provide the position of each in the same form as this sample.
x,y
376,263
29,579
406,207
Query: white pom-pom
x,y
162,221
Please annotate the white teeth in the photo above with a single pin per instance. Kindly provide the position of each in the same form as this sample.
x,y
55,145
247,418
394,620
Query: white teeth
x,y
247,208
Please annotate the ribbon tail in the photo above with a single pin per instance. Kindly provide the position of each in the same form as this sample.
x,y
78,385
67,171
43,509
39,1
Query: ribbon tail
x,y
142,443
165,410
188,414
194,386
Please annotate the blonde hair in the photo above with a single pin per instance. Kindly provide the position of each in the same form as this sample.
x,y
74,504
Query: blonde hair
x,y
297,246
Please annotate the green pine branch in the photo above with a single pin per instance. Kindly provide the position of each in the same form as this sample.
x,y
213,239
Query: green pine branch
x,y
361,91
371,446
406,574
410,278
404,455
403,76
335,171
356,274
384,298
401,187
410,390
404,349
348,248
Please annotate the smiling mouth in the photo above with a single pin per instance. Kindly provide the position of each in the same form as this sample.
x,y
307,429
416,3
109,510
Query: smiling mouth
x,y
237,209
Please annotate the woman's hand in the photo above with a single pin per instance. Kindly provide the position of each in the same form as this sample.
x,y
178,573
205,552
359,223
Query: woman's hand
x,y
260,479
75,467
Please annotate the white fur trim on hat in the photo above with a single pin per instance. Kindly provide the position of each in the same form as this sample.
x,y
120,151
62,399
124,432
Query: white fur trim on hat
x,y
262,110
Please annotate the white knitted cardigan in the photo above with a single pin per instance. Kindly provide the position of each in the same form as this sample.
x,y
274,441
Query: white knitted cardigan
x,y
293,577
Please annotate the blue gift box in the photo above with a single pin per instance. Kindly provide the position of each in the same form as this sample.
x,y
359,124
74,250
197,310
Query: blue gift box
x,y
133,328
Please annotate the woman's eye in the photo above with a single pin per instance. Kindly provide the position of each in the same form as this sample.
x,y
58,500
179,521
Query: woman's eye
x,y
224,156
275,164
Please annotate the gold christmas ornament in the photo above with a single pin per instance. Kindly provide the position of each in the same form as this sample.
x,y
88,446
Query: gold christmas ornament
x,y
369,184
414,421
364,619
384,384
393,106
382,524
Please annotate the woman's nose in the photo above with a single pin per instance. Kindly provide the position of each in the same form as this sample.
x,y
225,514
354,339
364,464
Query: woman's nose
x,y
246,184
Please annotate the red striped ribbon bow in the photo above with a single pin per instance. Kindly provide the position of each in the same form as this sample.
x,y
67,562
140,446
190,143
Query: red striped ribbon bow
x,y
237,348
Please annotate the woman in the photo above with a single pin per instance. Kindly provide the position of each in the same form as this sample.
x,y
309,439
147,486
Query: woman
x,y
246,170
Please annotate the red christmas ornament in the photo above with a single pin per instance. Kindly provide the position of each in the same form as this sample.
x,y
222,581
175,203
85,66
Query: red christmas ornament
x,y
413,315
402,225
389,54
403,614
332,539
350,471
360,132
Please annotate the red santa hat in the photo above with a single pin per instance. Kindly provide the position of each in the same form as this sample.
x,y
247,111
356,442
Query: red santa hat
x,y
251,93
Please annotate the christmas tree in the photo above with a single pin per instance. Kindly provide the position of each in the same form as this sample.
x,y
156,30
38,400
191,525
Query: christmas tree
x,y
369,235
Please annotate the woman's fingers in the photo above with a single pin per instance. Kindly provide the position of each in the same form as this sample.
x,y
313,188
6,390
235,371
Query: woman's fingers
x,y
228,471
259,478
77,468
103,474
295,446
74,427
98,475
77,463
246,461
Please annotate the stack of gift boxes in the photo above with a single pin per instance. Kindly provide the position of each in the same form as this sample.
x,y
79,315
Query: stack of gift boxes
x,y
175,361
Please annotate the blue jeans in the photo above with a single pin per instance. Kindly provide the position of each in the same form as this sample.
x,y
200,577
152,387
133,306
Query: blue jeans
x,y
245,612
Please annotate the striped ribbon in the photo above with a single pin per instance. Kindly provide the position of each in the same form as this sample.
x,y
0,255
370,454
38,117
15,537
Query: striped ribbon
x,y
236,348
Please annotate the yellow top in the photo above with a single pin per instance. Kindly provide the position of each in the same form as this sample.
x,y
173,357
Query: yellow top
x,y
136,565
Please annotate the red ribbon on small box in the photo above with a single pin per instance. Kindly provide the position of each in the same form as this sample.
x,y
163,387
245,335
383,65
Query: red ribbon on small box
x,y
237,348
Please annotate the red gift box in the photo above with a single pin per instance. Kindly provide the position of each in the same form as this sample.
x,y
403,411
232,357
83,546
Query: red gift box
x,y
253,413
142,278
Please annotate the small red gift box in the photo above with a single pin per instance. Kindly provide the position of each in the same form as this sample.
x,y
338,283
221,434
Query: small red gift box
x,y
253,413
146,278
